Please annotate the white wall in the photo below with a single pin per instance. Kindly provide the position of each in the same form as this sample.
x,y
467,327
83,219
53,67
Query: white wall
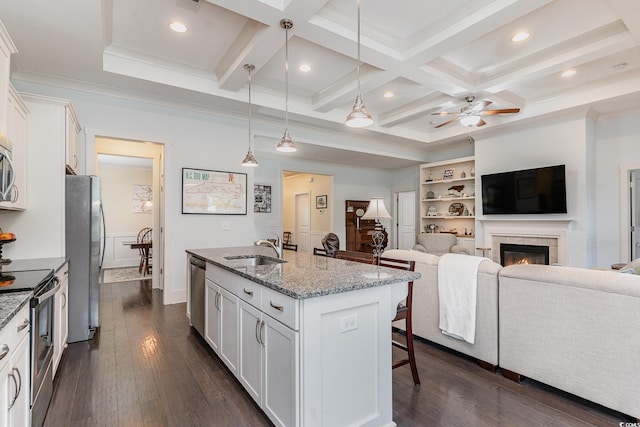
x,y
559,141
117,183
617,149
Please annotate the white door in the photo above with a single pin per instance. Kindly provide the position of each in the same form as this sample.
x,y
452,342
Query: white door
x,y
406,219
303,220
229,330
634,202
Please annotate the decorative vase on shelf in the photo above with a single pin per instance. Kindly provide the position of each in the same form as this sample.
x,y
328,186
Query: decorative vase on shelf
x,y
472,172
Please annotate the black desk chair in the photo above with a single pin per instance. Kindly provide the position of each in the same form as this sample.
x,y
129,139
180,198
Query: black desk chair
x,y
290,247
321,252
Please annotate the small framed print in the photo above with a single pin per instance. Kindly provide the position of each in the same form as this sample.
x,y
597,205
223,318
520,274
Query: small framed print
x,y
321,202
448,173
262,194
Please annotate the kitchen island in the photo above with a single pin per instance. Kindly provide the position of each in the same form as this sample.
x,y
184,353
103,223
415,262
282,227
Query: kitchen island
x,y
309,338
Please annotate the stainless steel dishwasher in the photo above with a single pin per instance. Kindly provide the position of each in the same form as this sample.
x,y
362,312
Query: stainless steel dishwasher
x,y
196,299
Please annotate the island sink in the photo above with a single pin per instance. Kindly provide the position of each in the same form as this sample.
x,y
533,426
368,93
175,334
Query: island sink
x,y
253,260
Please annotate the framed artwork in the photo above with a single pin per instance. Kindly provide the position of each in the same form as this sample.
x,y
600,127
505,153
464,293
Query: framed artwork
x,y
213,192
141,199
321,202
262,198
448,173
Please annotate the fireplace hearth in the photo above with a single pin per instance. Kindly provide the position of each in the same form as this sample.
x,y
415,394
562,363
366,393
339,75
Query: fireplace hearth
x,y
523,254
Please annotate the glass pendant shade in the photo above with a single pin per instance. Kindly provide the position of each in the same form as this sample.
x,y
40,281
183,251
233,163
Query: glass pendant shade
x,y
249,160
286,144
359,117
470,121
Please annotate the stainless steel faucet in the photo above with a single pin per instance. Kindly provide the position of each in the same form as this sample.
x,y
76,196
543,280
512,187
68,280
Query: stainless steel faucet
x,y
275,246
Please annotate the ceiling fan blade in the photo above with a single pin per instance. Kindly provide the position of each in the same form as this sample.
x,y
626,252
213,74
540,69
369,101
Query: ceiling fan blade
x,y
502,111
480,106
447,122
444,113
481,123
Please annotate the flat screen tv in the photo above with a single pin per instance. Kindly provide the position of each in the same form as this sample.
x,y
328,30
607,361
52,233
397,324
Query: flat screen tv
x,y
530,191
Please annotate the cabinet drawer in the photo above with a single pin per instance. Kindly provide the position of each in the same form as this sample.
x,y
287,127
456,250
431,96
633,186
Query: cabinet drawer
x,y
223,278
251,292
281,307
13,332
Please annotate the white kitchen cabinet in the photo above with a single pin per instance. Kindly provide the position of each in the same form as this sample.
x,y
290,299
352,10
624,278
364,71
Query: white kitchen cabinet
x,y
212,316
280,380
267,366
221,324
6,49
72,127
14,371
17,132
61,318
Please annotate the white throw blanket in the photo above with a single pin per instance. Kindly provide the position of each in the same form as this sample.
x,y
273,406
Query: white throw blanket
x,y
457,287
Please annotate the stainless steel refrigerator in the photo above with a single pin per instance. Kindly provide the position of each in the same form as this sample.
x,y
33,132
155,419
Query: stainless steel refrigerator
x,y
83,212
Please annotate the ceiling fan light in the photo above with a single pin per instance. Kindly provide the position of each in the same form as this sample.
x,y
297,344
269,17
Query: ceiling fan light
x,y
470,121
286,144
359,117
249,160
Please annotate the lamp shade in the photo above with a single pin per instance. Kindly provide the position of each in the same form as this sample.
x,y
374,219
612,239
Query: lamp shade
x,y
376,209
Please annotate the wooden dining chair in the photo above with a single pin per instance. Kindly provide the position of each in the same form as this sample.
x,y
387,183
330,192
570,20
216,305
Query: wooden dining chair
x,y
144,236
286,237
321,252
403,311
290,247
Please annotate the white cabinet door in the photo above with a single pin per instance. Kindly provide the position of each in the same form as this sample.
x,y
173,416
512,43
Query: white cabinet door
x,y
72,129
250,363
17,132
228,304
19,374
5,382
61,330
280,401
6,49
212,315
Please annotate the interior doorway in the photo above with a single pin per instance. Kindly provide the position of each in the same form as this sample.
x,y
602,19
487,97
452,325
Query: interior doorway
x,y
405,219
135,153
634,212
303,221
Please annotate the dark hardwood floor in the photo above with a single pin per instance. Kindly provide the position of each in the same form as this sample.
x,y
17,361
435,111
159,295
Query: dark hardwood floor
x,y
146,367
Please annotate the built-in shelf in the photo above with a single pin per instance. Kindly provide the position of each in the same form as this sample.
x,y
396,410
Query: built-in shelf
x,y
449,217
449,181
449,199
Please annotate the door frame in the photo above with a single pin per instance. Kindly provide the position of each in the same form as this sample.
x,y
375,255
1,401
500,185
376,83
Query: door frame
x,y
396,210
625,211
296,216
159,231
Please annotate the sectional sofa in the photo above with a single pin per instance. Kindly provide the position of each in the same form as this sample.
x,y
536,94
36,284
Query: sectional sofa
x,y
575,329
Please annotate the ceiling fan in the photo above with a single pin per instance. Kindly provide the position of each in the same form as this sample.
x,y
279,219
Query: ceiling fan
x,y
471,115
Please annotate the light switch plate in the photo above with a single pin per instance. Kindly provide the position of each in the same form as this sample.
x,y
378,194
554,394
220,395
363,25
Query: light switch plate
x,y
226,226
349,323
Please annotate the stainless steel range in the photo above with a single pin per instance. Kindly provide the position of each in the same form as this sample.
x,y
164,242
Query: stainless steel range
x,y
44,285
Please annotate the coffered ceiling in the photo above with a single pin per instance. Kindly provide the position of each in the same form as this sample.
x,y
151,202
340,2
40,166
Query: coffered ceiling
x,y
430,54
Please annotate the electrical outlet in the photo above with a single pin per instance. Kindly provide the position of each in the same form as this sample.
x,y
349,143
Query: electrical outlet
x,y
226,226
348,323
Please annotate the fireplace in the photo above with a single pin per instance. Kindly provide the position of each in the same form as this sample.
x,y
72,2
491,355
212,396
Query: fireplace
x,y
523,254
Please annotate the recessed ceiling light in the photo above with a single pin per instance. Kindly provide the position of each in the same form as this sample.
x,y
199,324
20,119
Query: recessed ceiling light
x,y
389,94
568,73
178,27
305,68
521,36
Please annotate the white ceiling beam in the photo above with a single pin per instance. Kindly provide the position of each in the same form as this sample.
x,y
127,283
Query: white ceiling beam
x,y
629,12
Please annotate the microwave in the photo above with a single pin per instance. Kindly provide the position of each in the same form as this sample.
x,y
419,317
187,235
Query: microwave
x,y
7,172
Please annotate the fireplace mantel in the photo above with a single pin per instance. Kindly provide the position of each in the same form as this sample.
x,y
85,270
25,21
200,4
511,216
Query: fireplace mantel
x,y
557,229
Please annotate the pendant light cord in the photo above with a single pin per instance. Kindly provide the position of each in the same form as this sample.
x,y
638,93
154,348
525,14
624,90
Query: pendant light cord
x,y
286,70
250,142
358,65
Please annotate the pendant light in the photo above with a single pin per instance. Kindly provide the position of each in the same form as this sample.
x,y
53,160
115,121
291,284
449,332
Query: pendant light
x,y
249,160
359,117
286,144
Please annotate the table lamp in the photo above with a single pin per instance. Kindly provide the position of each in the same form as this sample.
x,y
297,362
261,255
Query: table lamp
x,y
377,211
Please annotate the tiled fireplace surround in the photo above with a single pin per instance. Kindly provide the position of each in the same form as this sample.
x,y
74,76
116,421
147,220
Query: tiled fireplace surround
x,y
553,233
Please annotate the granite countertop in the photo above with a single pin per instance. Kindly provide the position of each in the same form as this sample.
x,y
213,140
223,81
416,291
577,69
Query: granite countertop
x,y
304,275
12,302
10,305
